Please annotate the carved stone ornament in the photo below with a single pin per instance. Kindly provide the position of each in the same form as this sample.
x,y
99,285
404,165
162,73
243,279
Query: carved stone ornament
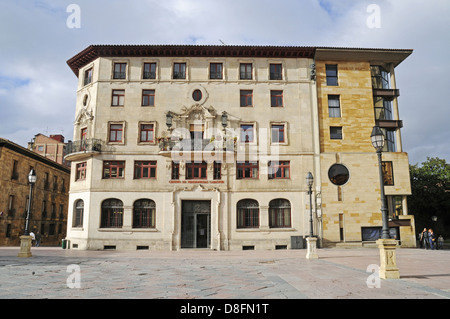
x,y
84,116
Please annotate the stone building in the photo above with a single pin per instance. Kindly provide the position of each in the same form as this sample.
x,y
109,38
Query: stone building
x,y
49,200
208,147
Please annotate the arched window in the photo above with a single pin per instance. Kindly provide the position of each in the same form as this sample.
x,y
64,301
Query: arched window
x,y
247,213
78,212
279,213
112,213
144,211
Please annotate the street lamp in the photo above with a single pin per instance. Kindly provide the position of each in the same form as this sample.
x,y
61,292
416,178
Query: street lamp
x,y
377,138
169,117
224,119
25,239
311,241
387,246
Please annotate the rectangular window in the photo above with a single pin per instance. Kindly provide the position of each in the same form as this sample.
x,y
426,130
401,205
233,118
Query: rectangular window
x,y
247,133
15,172
246,170
80,173
246,98
149,71
147,133
388,173
278,133
179,71
215,71
113,169
175,171
120,71
11,209
334,106
115,132
44,208
55,183
196,170
217,173
336,133
279,170
332,75
245,71
144,169
118,97
88,76
276,72
148,97
380,77
383,108
276,98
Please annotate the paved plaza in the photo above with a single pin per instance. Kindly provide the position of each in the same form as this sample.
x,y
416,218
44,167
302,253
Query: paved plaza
x,y
204,274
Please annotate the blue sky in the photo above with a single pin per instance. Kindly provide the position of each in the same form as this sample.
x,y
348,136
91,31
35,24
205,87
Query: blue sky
x,y
37,88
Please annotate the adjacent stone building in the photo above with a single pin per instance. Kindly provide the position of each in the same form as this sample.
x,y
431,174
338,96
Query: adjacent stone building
x,y
49,200
208,147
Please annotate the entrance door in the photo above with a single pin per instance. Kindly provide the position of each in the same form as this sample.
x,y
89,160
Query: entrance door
x,y
195,224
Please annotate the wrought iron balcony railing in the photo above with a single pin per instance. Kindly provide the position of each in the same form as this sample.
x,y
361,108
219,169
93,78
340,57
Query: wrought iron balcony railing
x,y
86,146
196,145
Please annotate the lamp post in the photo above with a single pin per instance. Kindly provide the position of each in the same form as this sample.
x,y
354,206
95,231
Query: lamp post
x,y
387,246
311,241
25,239
169,118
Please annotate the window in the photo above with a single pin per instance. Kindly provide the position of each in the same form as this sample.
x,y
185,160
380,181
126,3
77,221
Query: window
x,y
246,98
246,170
61,211
144,169
118,97
148,97
388,173
279,213
197,95
55,183
196,170
334,106
217,170
80,173
279,169
144,211
380,77
332,75
115,132
53,212
338,174
120,71
276,72
175,171
245,71
149,71
44,209
113,169
276,98
147,133
179,71
247,133
112,213
389,144
215,71
15,173
383,108
11,209
336,133
247,213
88,76
278,133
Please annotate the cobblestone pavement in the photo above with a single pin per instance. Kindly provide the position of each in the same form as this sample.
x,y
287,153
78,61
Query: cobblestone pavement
x,y
203,274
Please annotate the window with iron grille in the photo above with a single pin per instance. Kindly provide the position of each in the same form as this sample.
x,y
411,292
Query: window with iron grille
x,y
144,169
279,213
179,71
276,72
148,97
247,170
112,213
215,71
144,211
113,169
120,71
247,213
279,169
245,71
149,71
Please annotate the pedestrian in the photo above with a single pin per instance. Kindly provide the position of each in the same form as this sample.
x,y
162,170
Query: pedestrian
x,y
432,239
38,239
441,242
33,238
424,238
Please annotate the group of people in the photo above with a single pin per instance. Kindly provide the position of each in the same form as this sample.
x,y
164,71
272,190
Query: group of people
x,y
35,239
428,240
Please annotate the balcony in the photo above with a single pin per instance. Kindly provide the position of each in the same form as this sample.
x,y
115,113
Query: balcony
x,y
167,147
79,150
386,93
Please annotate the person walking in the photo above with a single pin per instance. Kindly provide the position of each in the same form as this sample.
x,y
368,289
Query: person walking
x,y
38,239
424,238
432,239
441,242
33,238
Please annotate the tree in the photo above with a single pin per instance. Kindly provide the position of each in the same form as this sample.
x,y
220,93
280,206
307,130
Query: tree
x,y
430,187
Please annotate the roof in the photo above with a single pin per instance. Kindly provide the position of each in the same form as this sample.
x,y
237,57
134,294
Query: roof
x,y
93,52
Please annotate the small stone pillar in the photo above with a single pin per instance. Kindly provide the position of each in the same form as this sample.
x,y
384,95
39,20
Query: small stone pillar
x,y
25,246
311,248
388,263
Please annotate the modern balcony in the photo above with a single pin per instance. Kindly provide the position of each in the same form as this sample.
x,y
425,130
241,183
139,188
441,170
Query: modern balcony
x,y
387,93
78,150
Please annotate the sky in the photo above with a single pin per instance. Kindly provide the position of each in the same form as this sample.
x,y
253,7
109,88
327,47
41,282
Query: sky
x,y
37,37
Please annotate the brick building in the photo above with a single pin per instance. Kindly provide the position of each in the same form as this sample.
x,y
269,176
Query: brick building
x,y
52,147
